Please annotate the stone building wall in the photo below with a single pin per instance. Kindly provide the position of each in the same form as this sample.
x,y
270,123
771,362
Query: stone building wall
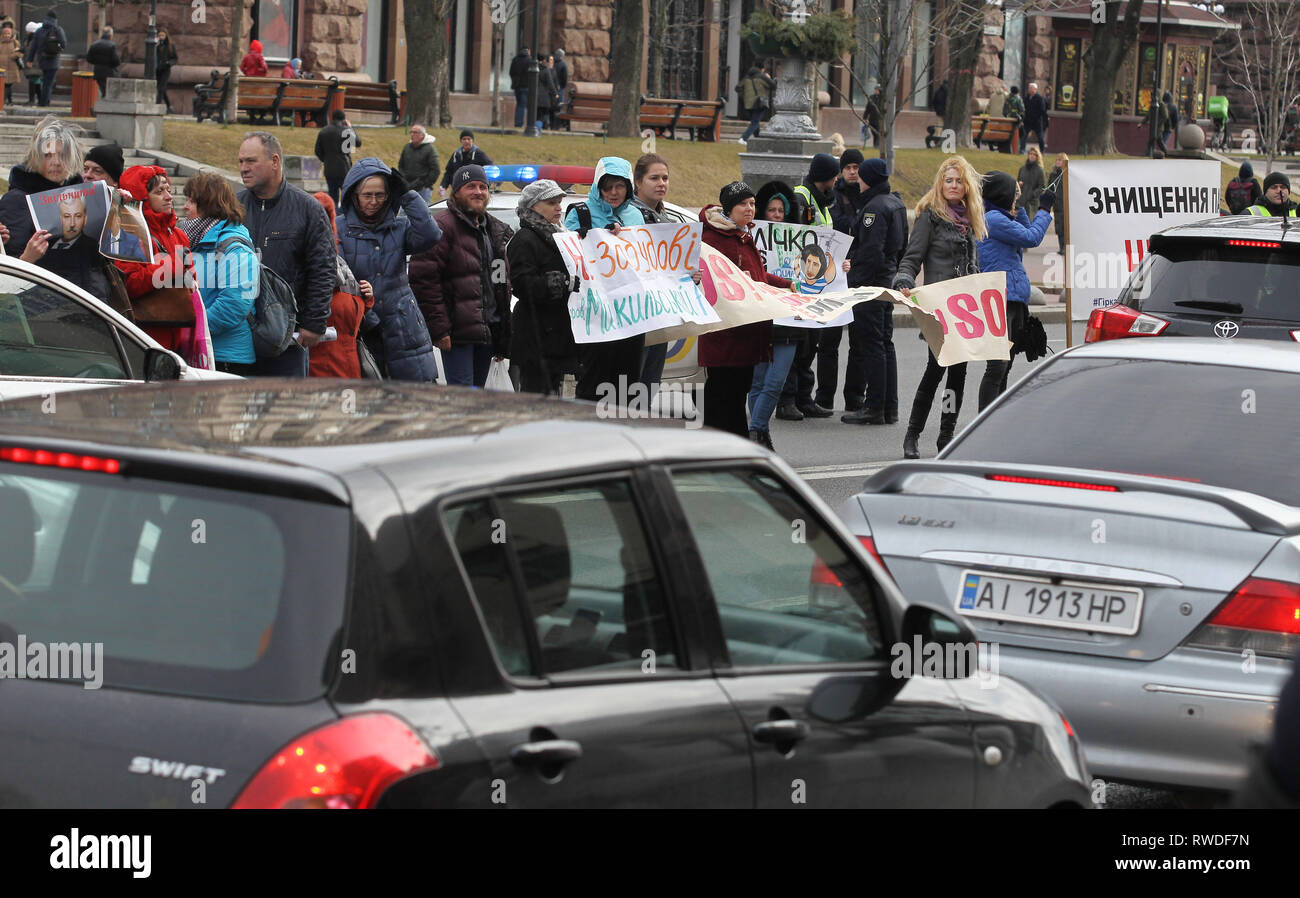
x,y
582,29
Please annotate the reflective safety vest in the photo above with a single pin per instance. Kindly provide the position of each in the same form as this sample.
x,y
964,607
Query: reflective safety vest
x,y
821,217
1261,212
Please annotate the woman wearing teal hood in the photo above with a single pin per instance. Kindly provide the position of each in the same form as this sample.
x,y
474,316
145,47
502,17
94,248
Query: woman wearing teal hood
x,y
609,205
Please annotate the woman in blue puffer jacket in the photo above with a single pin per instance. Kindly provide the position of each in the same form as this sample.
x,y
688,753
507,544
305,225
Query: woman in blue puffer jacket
x,y
374,239
225,268
1009,234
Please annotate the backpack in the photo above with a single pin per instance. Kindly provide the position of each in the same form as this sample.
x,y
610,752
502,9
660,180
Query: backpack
x,y
275,311
584,218
54,44
1237,196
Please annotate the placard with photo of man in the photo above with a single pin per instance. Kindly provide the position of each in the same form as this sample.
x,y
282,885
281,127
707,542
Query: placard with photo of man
x,y
126,235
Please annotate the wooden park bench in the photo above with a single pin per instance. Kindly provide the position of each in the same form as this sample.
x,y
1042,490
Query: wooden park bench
x,y
309,96
1000,133
701,117
588,103
210,98
367,96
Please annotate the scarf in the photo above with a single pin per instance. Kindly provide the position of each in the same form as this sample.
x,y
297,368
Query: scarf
x,y
195,228
539,224
958,214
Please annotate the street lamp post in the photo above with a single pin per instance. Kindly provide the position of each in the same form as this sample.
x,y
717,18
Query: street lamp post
x,y
151,42
530,126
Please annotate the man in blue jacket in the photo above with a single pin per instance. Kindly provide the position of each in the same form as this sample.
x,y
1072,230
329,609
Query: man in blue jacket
x,y
1010,233
879,240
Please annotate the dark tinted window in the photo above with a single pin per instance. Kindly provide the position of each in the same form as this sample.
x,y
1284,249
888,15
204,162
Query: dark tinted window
x,y
189,590
786,592
46,334
573,566
1216,279
1231,427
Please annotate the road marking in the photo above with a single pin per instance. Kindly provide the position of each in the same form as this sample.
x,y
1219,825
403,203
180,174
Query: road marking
x,y
836,472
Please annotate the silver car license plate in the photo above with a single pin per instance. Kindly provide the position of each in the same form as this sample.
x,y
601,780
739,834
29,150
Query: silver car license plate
x,y
1069,604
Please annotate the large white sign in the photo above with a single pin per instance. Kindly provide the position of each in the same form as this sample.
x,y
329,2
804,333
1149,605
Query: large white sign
x,y
808,256
1114,208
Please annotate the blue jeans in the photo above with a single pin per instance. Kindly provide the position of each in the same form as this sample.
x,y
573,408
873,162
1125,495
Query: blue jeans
x,y
769,378
467,364
652,364
755,119
47,84
521,106
293,362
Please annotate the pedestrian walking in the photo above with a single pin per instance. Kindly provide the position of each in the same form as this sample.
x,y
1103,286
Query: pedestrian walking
x,y
541,334
375,241
1276,199
879,239
48,46
812,206
253,64
1015,108
729,356
610,204
166,58
11,58
772,203
291,231
650,180
226,269
468,153
875,116
949,223
462,284
561,75
419,163
1009,232
104,59
1032,180
348,306
1243,191
548,94
519,85
755,99
1036,117
32,66
1056,184
1172,125
334,145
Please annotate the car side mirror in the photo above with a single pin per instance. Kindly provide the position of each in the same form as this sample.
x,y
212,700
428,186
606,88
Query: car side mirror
x,y
159,364
929,633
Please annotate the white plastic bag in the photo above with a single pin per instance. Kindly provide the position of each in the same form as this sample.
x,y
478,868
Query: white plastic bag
x,y
499,378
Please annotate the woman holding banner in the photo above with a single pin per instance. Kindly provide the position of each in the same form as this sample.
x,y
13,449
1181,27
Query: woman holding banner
x,y
773,203
650,176
730,355
949,223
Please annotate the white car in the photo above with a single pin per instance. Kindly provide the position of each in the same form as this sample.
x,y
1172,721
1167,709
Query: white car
x,y
54,336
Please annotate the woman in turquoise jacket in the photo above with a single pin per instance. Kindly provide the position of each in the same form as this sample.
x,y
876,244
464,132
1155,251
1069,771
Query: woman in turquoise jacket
x,y
225,266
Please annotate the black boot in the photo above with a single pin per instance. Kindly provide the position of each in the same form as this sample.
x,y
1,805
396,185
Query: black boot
x,y
763,438
947,424
916,424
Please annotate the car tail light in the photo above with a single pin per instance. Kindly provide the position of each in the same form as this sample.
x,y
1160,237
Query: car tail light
x,y
1114,322
24,456
1260,615
345,764
1256,244
1047,481
822,575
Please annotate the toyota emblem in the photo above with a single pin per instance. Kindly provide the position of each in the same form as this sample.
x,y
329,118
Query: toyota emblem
x,y
1226,329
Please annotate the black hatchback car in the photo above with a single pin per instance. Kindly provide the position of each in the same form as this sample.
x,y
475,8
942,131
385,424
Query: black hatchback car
x,y
339,595
1227,277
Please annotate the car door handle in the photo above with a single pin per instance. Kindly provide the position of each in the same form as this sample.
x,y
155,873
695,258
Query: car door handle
x,y
770,731
546,753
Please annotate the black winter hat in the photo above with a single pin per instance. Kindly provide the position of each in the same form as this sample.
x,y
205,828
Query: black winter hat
x,y
999,190
107,156
733,193
465,174
850,156
873,172
1246,172
1277,178
823,168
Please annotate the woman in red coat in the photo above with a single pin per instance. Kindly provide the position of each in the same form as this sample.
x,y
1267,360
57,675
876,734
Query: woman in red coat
x,y
730,355
171,248
254,64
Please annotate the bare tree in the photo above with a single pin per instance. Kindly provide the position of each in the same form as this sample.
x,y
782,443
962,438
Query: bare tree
x,y
965,30
236,54
1113,35
627,47
1265,65
503,13
427,73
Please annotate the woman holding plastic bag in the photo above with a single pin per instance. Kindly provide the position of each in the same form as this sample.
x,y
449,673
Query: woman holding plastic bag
x,y
162,293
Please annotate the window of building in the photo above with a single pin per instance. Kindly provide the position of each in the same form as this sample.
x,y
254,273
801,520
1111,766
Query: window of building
x,y
276,27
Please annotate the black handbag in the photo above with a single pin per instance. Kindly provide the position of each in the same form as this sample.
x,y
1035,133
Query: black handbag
x,y
1032,341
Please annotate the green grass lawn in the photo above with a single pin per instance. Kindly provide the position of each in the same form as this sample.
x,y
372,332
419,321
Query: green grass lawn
x,y
699,169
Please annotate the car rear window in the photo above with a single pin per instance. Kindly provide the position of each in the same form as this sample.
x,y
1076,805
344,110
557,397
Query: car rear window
x,y
1215,424
1216,279
186,590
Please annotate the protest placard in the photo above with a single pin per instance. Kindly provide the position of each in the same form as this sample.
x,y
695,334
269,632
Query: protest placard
x,y
81,217
808,256
635,281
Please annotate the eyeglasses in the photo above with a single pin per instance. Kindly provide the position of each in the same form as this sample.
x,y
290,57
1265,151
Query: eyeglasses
x,y
372,197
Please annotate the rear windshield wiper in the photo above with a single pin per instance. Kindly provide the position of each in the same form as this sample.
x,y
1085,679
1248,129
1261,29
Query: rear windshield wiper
x,y
1211,305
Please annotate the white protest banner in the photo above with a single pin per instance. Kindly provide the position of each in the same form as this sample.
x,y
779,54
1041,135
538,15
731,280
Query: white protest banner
x,y
808,256
1114,206
635,281
962,319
